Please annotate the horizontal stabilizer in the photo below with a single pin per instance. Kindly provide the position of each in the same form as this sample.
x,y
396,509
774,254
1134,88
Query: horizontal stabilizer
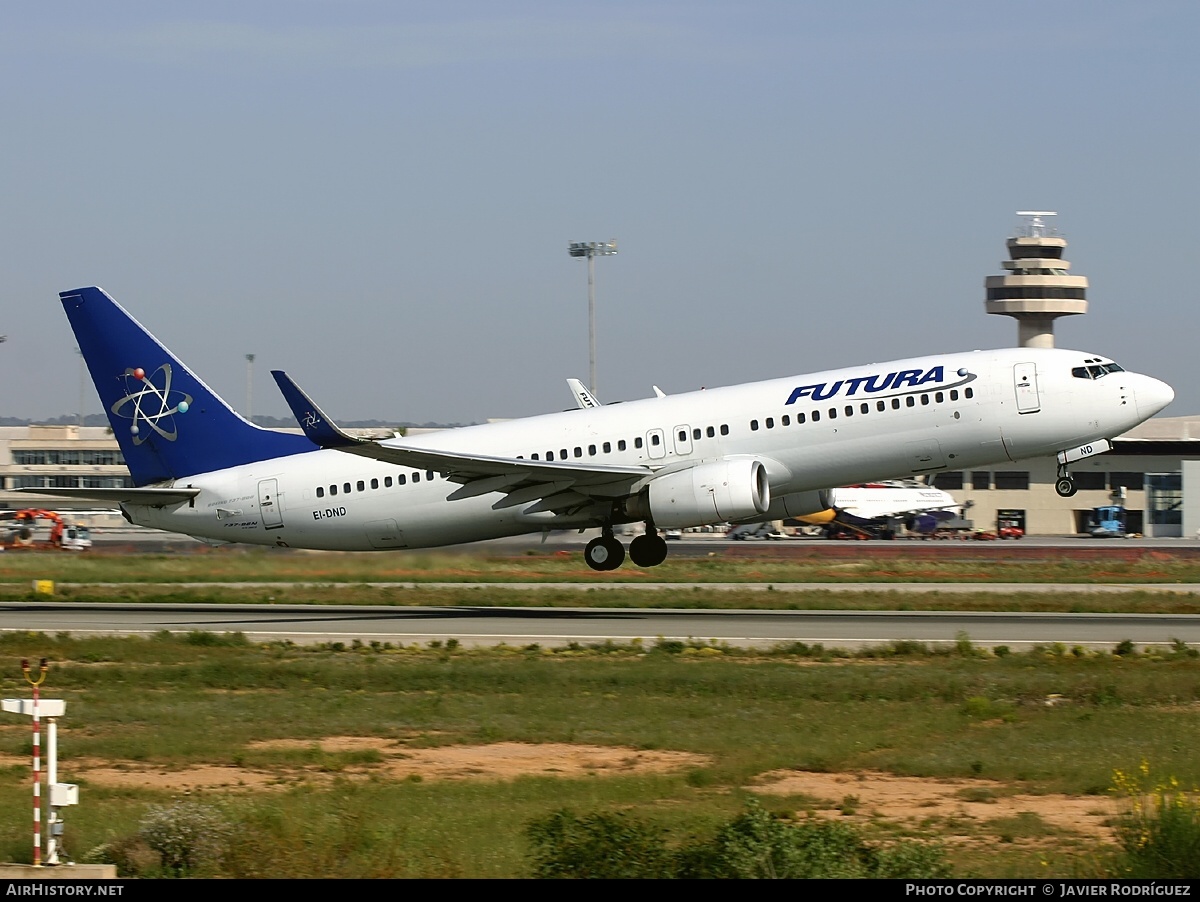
x,y
155,497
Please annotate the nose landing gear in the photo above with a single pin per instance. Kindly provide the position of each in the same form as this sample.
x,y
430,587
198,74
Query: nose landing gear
x,y
1064,485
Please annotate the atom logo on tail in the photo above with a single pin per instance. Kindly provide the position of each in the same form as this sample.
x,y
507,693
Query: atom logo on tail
x,y
152,405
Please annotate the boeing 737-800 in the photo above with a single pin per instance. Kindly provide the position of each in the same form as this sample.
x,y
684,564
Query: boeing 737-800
x,y
744,453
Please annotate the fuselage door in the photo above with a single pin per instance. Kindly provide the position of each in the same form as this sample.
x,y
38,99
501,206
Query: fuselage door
x,y
683,439
656,445
384,534
925,455
269,507
1025,382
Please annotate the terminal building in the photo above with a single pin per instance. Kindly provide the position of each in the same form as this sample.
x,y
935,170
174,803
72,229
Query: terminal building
x,y
1154,469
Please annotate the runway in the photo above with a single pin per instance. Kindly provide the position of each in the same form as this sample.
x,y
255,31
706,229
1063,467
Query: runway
x,y
561,626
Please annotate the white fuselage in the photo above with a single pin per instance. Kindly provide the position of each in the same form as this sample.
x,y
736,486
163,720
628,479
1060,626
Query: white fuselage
x,y
810,432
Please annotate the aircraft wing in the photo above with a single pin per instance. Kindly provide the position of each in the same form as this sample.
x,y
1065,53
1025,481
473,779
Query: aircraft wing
x,y
149,495
553,485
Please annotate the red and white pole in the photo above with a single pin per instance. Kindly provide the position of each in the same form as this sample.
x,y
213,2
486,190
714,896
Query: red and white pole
x,y
37,761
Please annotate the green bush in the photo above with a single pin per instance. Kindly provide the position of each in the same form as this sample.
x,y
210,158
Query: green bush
x,y
599,846
754,845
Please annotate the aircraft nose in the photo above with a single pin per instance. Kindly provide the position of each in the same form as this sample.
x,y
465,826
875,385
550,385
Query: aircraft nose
x,y
1152,395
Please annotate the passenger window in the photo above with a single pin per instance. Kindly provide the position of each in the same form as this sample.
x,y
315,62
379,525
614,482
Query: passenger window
x,y
429,475
591,450
880,406
655,440
754,425
954,394
968,393
696,433
833,413
346,488
387,482
534,457
864,407
621,446
549,455
785,420
320,492
849,410
401,479
938,397
637,442
770,422
333,490
416,477
710,432
895,403
562,454
578,451
374,483
925,400
361,486
799,418
910,401
816,416
724,429
607,446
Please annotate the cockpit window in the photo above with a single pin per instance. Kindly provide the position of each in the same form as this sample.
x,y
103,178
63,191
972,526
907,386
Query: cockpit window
x,y
1096,370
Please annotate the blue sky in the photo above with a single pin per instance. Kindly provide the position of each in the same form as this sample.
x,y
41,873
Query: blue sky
x,y
378,196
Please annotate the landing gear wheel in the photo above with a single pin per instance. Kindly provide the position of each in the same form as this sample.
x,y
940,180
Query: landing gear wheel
x,y
1065,486
649,550
604,553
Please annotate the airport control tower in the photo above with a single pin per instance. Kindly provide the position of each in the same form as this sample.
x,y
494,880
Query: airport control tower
x,y
1038,286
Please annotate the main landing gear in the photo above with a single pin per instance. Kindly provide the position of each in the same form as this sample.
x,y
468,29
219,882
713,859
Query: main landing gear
x,y
606,553
1064,485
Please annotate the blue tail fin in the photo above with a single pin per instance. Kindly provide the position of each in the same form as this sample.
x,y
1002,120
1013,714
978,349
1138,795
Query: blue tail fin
x,y
169,424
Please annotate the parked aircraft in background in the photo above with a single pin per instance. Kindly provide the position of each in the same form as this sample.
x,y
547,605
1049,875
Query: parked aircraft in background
x,y
882,508
743,453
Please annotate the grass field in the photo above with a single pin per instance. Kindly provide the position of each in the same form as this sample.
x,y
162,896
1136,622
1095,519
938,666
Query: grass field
x,y
381,761
348,579
244,563
145,716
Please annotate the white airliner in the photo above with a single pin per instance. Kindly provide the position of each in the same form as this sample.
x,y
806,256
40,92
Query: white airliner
x,y
878,507
744,453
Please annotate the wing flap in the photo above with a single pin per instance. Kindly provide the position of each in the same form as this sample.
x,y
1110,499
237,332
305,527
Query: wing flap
x,y
559,503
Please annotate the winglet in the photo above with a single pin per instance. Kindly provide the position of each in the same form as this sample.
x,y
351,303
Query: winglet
x,y
584,399
318,427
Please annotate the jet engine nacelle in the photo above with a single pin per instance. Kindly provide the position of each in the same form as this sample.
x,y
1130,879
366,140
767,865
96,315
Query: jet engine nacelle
x,y
715,492
799,504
